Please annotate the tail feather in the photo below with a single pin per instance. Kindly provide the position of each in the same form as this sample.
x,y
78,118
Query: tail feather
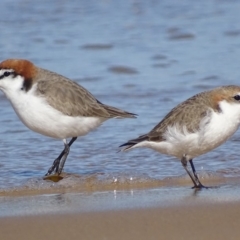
x,y
118,113
133,142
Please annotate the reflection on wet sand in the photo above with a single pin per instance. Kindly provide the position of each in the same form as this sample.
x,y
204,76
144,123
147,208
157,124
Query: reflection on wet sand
x,y
98,182
111,197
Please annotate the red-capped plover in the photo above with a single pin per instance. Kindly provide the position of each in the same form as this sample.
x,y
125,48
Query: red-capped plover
x,y
53,105
194,127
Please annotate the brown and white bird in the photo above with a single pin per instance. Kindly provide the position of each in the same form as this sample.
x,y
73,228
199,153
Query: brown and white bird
x,y
53,105
194,127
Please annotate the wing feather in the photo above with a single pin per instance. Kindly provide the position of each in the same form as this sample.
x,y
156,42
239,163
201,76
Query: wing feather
x,y
72,99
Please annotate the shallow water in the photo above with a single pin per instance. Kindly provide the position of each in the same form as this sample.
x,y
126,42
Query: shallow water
x,y
141,56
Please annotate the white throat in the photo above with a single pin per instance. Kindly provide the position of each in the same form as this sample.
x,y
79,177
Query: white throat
x,y
12,87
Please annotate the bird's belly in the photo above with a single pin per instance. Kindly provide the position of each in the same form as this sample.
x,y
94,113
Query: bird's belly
x,y
179,143
189,145
63,126
40,117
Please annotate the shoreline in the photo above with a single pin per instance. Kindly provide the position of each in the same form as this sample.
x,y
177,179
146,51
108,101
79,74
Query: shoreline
x,y
168,212
219,221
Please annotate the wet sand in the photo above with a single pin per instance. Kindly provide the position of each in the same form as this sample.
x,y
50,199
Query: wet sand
x,y
218,221
176,212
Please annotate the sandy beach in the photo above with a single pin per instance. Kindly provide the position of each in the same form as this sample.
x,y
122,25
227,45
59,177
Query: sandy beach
x,y
219,221
176,212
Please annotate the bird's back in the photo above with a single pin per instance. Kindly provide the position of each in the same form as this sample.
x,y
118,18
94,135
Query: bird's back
x,y
72,99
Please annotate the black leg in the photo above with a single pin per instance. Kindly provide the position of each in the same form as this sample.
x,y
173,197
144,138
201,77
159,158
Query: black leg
x,y
184,163
63,155
193,176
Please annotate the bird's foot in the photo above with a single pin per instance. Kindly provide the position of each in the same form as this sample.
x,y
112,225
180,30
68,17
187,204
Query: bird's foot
x,y
53,177
200,187
54,166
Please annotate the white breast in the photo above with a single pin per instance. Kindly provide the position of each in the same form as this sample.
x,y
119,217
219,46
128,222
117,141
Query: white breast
x,y
222,125
39,116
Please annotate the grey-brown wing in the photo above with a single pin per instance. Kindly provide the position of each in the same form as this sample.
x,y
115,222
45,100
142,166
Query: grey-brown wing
x,y
188,114
70,98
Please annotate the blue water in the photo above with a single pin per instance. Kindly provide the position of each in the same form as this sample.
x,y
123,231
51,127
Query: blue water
x,y
141,56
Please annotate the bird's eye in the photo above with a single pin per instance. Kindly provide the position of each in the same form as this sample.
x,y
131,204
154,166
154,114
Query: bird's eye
x,y
6,74
237,97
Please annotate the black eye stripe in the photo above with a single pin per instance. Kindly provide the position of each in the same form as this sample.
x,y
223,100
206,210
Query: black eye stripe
x,y
6,74
237,97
